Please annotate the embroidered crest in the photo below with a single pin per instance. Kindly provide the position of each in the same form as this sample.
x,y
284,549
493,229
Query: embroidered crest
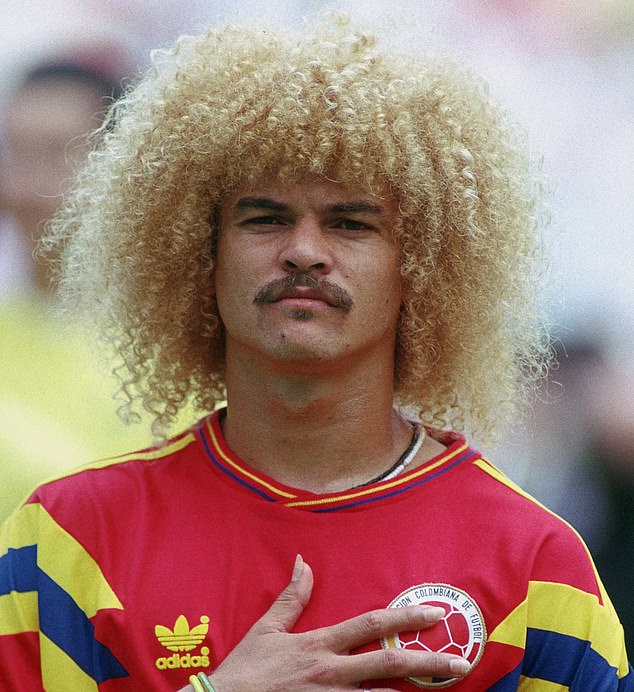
x,y
461,631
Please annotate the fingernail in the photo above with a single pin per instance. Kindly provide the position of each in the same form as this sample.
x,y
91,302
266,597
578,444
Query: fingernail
x,y
435,611
459,666
298,568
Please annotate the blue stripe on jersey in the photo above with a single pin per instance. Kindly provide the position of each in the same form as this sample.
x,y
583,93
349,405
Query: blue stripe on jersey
x,y
406,486
16,570
626,684
566,661
61,619
509,683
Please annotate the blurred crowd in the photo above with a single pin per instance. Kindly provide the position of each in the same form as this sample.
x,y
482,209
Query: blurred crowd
x,y
564,69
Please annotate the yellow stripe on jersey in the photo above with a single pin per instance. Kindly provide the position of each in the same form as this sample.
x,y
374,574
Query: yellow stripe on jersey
x,y
536,685
19,613
563,609
61,673
61,557
149,455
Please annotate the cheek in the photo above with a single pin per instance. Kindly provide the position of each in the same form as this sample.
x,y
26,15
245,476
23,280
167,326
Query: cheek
x,y
235,284
226,283
393,296
381,297
389,282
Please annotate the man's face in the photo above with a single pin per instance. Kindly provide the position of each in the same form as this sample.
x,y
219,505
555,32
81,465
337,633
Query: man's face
x,y
44,120
307,276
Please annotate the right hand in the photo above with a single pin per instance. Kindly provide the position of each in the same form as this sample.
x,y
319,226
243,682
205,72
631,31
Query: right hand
x,y
270,658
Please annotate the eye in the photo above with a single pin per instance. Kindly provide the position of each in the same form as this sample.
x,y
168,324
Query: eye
x,y
352,225
268,220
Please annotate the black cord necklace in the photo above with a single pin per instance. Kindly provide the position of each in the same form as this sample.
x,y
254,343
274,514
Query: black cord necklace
x,y
404,460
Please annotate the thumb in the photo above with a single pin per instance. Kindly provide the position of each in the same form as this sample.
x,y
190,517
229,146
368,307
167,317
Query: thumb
x,y
288,606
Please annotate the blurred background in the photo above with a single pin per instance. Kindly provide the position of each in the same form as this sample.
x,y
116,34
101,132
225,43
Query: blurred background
x,y
563,68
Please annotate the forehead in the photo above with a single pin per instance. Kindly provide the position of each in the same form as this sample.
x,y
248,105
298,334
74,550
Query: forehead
x,y
314,192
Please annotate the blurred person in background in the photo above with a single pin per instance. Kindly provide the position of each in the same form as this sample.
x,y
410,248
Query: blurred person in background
x,y
56,406
577,455
566,66
609,453
45,125
580,460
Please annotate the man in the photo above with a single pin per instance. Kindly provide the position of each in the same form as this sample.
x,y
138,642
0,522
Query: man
x,y
49,376
339,242
47,114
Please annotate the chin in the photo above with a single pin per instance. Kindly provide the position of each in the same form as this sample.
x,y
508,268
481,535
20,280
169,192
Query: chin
x,y
302,315
296,352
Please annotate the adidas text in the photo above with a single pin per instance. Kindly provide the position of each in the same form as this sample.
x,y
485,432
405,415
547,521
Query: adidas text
x,y
184,660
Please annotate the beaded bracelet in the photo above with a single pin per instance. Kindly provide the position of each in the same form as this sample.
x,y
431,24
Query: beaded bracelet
x,y
201,683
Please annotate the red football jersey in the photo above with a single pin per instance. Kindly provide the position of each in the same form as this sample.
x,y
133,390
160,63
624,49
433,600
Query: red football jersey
x,y
135,572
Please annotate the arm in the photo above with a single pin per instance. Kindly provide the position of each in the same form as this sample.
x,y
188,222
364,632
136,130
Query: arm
x,y
272,659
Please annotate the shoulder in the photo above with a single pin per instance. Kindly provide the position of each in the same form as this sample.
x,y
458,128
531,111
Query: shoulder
x,y
117,483
533,536
566,613
105,503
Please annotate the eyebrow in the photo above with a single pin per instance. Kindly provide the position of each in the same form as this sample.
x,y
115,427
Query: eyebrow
x,y
356,207
352,207
246,203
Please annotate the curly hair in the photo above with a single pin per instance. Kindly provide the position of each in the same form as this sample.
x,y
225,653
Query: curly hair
x,y
219,110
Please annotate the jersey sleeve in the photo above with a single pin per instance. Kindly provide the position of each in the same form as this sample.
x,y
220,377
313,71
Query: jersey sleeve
x,y
564,629
50,589
568,629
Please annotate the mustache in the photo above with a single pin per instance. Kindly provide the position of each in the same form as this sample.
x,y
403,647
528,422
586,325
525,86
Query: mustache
x,y
330,292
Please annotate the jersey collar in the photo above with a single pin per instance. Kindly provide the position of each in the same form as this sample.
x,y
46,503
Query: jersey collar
x,y
226,462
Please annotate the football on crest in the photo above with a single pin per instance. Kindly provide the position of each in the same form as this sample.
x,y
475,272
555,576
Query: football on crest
x,y
450,635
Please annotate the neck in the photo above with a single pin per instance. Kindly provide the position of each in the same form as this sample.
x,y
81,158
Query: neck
x,y
319,433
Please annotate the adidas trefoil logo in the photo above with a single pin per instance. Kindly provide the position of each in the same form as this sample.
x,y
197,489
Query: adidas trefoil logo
x,y
183,638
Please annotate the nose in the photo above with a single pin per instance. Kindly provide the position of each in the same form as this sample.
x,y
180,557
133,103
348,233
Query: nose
x,y
306,248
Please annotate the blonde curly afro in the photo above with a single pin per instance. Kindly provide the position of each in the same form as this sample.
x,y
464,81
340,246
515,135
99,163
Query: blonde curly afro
x,y
137,233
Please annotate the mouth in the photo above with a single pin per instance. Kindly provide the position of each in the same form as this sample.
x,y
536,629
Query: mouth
x,y
304,290
302,295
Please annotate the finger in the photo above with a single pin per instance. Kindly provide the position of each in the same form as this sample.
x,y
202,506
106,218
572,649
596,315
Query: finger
x,y
376,624
288,606
402,663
